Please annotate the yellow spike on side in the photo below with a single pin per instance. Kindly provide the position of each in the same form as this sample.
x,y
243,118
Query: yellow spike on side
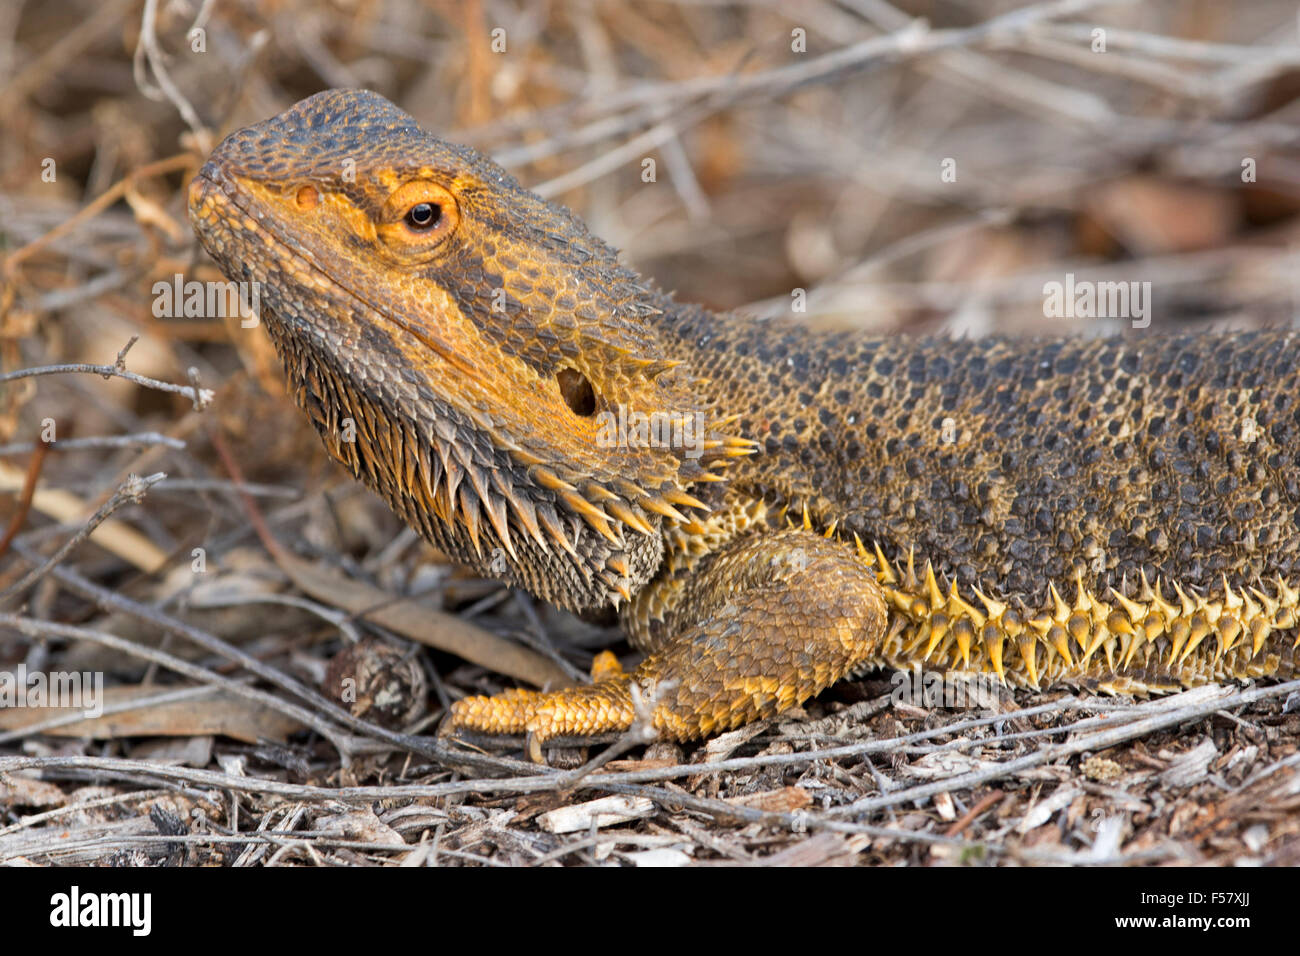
x,y
1179,631
1082,597
932,587
862,549
557,533
1231,601
599,491
830,531
1011,624
993,639
1138,638
807,521
1269,603
1229,630
1086,635
1061,610
1118,622
1259,631
1200,629
1188,605
1135,611
1059,641
959,607
1125,642
1286,596
995,608
885,573
527,516
911,641
965,634
1108,645
910,582
900,599
938,629
1028,647
1211,609
1157,600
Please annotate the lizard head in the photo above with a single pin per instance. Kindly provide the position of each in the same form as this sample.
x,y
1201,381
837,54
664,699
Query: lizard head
x,y
469,350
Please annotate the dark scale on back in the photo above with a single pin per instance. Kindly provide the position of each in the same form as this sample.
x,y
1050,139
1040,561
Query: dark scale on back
x,y
1096,455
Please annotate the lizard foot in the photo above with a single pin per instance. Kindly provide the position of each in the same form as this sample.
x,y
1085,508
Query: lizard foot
x,y
771,621
600,707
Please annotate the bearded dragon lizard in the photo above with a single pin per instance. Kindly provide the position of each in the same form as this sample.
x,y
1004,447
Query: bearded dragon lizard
x,y
767,508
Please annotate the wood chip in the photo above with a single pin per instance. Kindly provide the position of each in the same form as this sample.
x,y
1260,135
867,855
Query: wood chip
x,y
784,800
1043,811
605,812
822,849
944,806
662,856
1191,767
360,825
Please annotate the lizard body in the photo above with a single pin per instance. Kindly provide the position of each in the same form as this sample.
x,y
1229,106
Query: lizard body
x,y
767,507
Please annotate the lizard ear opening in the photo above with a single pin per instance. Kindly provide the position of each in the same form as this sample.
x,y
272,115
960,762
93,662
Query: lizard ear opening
x,y
577,391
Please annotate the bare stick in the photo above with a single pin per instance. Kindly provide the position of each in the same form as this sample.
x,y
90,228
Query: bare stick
x,y
202,397
130,491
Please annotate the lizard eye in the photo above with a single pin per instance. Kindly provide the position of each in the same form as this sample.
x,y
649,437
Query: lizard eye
x,y
417,217
423,215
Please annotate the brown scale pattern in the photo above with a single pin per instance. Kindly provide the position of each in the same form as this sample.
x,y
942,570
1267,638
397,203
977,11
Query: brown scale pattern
x,y
1118,513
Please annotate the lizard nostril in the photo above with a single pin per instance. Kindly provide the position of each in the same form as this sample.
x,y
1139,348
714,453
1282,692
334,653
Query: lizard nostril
x,y
577,391
307,197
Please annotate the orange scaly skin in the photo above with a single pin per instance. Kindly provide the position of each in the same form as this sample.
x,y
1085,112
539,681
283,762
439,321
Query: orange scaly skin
x,y
1119,513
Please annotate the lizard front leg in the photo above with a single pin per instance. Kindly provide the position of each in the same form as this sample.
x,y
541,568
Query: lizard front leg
x,y
755,628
